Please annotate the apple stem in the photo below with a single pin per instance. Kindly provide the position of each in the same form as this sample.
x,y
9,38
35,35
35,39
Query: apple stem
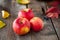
x,y
20,22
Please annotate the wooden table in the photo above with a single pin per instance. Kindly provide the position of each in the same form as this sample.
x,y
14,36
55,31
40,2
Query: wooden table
x,y
51,30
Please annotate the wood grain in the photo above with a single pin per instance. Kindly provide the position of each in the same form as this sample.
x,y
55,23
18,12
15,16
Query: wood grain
x,y
56,23
48,32
7,32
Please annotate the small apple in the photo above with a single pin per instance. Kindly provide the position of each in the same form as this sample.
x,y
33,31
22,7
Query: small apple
x,y
26,13
21,26
36,24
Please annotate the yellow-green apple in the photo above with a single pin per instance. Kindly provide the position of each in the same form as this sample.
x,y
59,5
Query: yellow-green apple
x,y
36,24
21,26
27,13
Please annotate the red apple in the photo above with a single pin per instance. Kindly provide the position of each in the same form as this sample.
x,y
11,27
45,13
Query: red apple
x,y
21,26
36,24
27,13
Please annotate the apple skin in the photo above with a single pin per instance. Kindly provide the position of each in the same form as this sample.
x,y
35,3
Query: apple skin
x,y
21,26
36,24
26,13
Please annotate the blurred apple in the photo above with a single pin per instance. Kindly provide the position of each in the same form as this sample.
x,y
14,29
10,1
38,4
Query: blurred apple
x,y
21,26
26,13
36,24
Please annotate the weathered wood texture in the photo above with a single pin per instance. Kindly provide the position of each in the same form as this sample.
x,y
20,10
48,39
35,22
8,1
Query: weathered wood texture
x,y
56,23
48,32
7,33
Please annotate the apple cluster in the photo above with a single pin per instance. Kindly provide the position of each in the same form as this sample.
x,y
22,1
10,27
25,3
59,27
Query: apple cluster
x,y
27,21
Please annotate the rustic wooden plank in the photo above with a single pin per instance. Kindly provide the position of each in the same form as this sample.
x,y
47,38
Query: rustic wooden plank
x,y
56,23
14,11
7,32
48,31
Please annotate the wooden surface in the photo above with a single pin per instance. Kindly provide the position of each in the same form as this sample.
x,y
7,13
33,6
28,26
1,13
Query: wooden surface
x,y
48,32
56,23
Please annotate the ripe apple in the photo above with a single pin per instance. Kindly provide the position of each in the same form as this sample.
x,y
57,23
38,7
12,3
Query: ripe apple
x,y
21,26
27,13
36,24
